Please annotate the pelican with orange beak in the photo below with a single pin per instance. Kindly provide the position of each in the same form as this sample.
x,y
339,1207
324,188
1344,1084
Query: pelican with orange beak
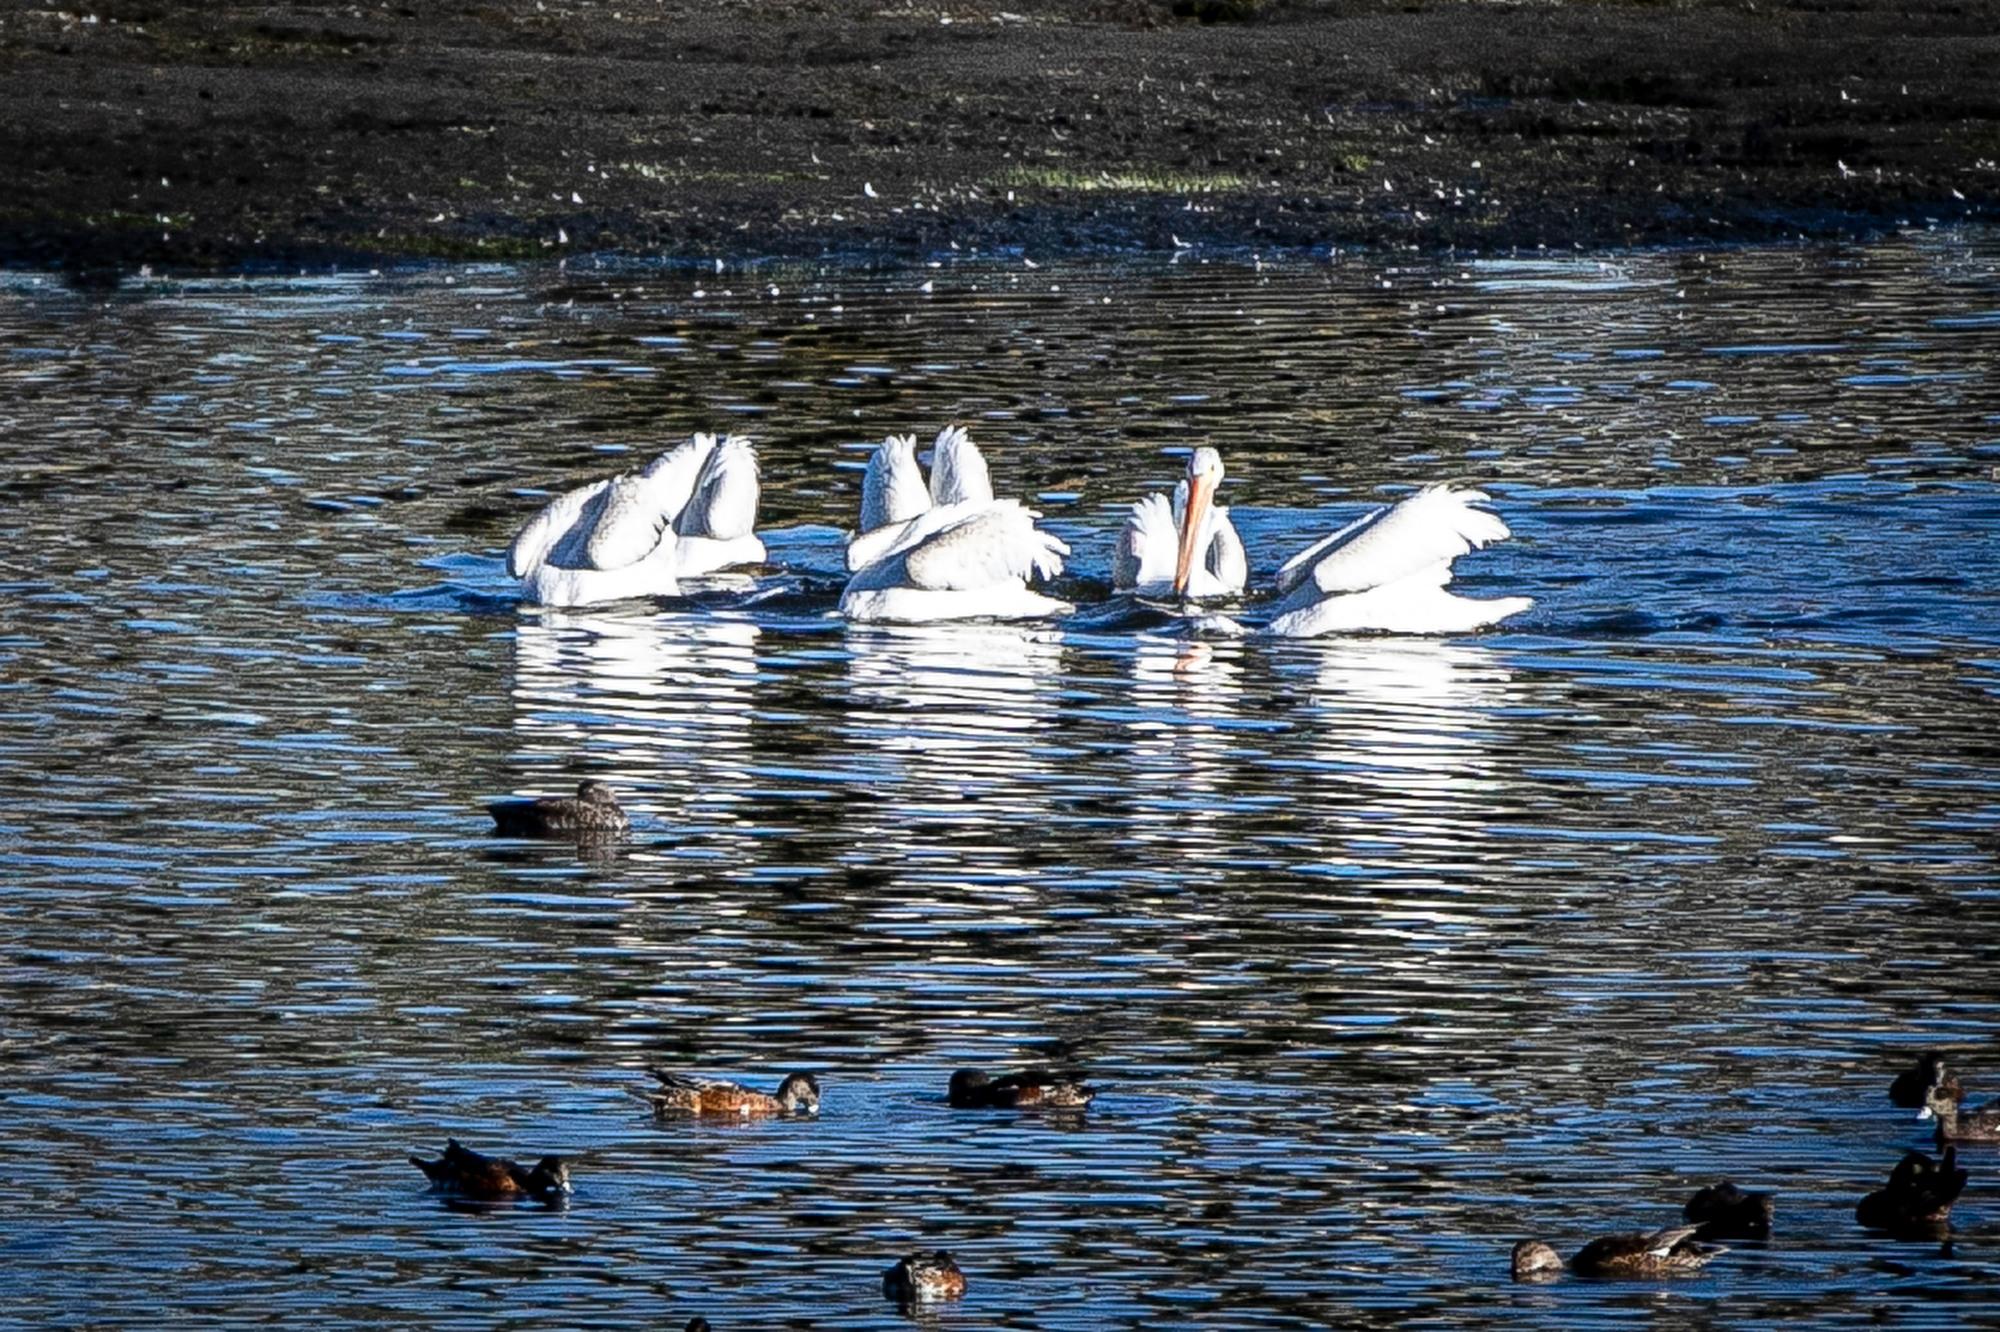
x,y
1385,572
1187,549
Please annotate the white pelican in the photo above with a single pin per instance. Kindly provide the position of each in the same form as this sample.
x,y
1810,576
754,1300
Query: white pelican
x,y
949,552
638,534
1152,560
1385,571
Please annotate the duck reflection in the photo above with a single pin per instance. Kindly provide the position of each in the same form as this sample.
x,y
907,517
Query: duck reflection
x,y
659,704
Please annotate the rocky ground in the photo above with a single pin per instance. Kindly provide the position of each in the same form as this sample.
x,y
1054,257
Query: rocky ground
x,y
231,134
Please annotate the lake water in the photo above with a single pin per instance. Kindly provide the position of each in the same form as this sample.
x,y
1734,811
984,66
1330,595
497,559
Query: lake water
x,y
1384,953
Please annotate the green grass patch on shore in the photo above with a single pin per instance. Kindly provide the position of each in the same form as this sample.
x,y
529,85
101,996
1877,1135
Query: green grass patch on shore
x,y
1122,182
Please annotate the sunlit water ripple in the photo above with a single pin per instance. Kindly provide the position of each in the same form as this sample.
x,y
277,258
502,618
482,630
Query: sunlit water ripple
x,y
1385,953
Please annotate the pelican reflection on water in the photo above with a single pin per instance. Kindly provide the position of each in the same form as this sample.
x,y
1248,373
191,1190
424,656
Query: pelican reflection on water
x,y
1408,752
1184,728
939,692
662,700
961,710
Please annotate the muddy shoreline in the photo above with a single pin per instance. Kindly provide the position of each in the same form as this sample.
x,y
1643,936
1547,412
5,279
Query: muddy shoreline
x,y
235,136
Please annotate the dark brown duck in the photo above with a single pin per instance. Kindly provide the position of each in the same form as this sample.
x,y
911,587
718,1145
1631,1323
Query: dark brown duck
x,y
474,1176
1671,1252
1913,1085
924,1276
1918,1196
592,812
1724,1211
972,1089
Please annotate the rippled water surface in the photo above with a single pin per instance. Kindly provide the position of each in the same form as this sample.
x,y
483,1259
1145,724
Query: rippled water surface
x,y
1384,953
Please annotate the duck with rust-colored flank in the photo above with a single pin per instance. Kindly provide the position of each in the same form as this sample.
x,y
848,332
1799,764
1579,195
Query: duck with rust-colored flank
x,y
1671,1252
681,1094
1957,1125
924,1276
1918,1196
476,1177
592,812
1724,1211
1030,1089
1913,1085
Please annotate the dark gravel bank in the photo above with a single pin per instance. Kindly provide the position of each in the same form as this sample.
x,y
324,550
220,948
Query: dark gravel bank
x,y
229,134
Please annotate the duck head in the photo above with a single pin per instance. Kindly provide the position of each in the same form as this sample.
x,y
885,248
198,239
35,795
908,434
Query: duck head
x,y
1939,1103
1536,1261
550,1177
799,1093
593,792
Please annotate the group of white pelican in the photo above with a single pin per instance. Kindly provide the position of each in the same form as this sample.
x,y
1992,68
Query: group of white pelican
x,y
945,549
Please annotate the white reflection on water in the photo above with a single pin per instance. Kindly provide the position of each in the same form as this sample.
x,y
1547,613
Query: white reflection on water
x,y
1182,750
967,700
1413,719
659,702
1409,738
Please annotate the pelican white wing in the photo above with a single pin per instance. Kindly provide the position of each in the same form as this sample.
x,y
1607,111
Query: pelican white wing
x,y
1388,571
958,469
916,561
1438,523
560,517
892,489
716,527
692,511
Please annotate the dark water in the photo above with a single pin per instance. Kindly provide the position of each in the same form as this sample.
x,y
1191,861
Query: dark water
x,y
1385,953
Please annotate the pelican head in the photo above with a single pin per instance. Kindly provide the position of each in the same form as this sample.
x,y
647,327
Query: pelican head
x,y
1204,474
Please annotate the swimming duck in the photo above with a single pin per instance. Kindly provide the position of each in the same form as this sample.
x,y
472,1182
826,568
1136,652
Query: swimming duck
x,y
464,1173
1914,1083
1670,1252
1918,1196
1956,1125
682,1094
973,1090
592,811
1724,1211
919,1277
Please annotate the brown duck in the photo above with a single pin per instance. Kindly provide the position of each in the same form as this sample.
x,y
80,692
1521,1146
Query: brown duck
x,y
1914,1083
1032,1088
471,1175
1724,1211
592,812
1956,1125
924,1276
684,1095
1670,1252
1918,1196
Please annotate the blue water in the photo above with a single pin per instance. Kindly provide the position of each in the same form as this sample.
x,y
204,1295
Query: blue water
x,y
1384,953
